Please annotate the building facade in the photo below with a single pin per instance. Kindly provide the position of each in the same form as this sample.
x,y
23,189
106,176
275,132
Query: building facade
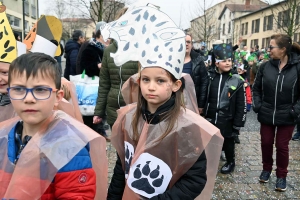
x,y
209,25
257,27
14,12
70,24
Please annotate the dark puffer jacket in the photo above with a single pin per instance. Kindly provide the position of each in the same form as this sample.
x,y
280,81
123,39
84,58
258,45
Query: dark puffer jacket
x,y
199,76
275,93
226,102
71,50
112,78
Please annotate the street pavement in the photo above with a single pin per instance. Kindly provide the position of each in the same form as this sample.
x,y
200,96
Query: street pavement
x,y
243,182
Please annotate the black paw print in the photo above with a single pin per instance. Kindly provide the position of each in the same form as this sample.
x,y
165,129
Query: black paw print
x,y
128,159
144,183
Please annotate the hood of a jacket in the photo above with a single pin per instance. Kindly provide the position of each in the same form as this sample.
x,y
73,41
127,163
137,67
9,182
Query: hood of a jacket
x,y
70,45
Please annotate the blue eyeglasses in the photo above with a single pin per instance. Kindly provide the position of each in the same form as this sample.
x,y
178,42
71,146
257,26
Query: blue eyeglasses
x,y
39,93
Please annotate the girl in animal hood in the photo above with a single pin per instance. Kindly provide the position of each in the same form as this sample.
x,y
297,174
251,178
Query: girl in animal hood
x,y
164,150
10,49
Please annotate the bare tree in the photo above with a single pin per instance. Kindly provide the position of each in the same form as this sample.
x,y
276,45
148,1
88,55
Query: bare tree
x,y
204,28
287,16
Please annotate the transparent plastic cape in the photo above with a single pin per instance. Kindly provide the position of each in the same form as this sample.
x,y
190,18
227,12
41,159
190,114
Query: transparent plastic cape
x,y
188,138
7,112
47,152
70,107
130,91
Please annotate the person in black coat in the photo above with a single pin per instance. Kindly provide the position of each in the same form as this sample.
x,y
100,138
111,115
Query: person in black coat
x,y
226,102
71,52
195,66
90,61
276,93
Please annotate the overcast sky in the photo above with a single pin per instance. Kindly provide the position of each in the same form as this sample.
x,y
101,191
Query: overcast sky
x,y
181,11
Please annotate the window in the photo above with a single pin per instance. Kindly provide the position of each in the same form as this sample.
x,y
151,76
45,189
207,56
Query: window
x,y
243,28
265,42
26,25
283,19
26,8
296,37
268,22
254,42
229,27
223,29
297,21
13,21
33,11
255,26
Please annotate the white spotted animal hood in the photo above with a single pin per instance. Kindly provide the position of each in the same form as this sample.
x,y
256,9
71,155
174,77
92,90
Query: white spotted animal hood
x,y
149,36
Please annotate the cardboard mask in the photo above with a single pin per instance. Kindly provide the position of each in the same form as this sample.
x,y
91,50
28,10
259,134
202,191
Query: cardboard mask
x,y
149,36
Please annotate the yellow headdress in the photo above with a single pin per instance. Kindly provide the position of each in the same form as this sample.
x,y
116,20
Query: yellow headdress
x,y
10,49
45,30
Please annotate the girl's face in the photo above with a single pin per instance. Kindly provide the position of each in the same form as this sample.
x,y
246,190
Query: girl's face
x,y
4,67
250,62
157,86
240,71
224,65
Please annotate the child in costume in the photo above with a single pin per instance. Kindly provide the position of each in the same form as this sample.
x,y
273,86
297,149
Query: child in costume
x,y
226,102
164,150
253,66
242,73
10,49
47,154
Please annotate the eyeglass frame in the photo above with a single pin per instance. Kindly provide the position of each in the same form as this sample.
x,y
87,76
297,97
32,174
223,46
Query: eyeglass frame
x,y
31,90
272,47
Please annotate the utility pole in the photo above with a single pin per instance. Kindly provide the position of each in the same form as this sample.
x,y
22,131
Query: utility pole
x,y
23,34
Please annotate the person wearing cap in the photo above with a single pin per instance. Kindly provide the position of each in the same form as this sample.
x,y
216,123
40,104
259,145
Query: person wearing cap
x,y
90,60
226,102
71,51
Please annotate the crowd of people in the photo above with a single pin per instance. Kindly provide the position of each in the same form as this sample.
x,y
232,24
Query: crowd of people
x,y
173,113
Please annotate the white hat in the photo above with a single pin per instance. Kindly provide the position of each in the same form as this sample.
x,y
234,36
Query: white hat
x,y
149,36
241,67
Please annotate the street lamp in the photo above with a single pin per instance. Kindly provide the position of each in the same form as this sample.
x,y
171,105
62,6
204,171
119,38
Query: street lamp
x,y
23,19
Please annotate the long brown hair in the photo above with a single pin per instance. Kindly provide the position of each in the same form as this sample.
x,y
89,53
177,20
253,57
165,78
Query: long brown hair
x,y
171,115
283,40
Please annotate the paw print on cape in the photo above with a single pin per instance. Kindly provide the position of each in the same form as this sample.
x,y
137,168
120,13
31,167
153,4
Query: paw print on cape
x,y
149,176
129,152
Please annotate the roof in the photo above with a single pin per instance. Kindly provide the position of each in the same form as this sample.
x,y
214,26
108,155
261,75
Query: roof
x,y
77,20
241,8
275,4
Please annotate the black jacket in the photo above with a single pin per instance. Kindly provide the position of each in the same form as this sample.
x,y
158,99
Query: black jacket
x,y
276,94
188,187
82,48
90,58
226,101
199,76
71,51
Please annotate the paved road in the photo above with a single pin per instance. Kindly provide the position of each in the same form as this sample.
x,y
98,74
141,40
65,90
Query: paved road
x,y
243,183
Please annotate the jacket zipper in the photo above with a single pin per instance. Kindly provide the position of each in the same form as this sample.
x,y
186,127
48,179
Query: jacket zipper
x,y
281,83
120,72
275,98
208,96
294,90
218,98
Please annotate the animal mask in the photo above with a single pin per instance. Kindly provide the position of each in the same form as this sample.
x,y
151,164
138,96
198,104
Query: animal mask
x,y
39,38
10,49
149,36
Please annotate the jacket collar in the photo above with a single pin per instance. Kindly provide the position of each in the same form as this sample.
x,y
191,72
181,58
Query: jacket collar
x,y
4,100
155,118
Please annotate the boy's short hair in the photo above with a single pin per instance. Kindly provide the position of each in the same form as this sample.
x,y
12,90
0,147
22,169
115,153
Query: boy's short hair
x,y
34,63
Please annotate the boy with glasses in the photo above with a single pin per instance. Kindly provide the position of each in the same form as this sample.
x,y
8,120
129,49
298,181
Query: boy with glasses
x,y
47,154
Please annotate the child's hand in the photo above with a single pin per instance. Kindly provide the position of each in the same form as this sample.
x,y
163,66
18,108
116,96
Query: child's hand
x,y
97,119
